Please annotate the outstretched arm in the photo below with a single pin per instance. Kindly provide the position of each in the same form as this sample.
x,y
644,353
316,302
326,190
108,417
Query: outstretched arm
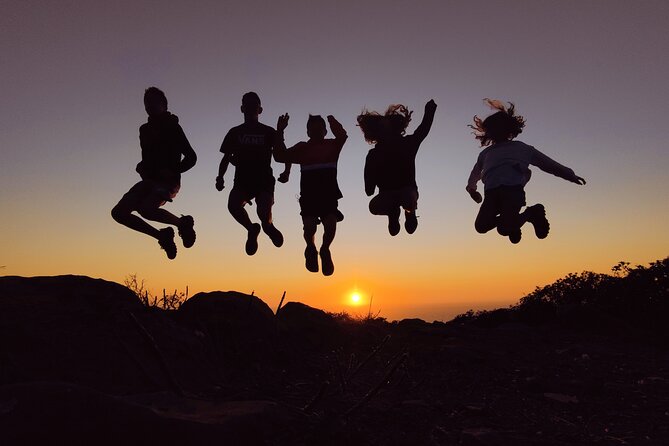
x,y
424,127
551,166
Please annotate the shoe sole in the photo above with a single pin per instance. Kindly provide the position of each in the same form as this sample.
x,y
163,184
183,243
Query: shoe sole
x,y
311,260
187,233
252,240
327,266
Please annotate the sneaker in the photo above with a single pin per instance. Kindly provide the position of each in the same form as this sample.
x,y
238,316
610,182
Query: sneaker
x,y
410,221
311,258
394,223
186,231
515,236
537,216
326,262
252,239
166,242
275,235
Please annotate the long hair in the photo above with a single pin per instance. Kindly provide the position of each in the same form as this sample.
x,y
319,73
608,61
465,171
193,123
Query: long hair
x,y
375,126
502,125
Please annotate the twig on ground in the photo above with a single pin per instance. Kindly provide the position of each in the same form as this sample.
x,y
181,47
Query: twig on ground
x,y
280,304
142,329
316,398
378,387
368,358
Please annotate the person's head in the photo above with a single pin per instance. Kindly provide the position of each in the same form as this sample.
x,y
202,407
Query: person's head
x,y
501,126
251,104
399,117
376,127
155,101
373,126
316,128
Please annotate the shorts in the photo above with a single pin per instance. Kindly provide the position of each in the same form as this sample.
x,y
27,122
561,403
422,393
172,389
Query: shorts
x,y
250,188
318,207
500,208
503,199
386,201
149,193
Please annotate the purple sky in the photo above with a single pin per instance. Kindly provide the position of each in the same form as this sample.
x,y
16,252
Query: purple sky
x,y
589,76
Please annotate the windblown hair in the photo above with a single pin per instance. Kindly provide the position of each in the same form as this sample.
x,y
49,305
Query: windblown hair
x,y
502,125
155,95
394,121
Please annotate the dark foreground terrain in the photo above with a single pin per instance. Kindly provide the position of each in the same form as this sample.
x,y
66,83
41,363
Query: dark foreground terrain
x,y
82,361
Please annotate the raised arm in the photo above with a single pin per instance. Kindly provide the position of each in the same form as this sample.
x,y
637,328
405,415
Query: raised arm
x,y
551,166
424,127
337,130
279,150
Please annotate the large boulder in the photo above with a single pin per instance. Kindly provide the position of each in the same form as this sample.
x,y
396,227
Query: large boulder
x,y
94,333
66,328
237,315
307,324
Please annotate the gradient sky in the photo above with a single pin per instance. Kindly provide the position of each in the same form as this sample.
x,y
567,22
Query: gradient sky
x,y
589,76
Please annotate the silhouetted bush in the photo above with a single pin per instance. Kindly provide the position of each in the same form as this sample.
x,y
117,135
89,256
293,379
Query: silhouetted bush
x,y
631,296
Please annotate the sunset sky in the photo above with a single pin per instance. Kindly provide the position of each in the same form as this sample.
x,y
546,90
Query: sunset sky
x,y
590,77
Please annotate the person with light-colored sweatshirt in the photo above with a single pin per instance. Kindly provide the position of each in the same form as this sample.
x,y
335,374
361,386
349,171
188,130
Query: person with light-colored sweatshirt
x,y
503,167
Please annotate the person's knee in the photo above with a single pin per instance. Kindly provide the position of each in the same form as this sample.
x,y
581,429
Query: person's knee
x,y
376,209
119,213
481,227
507,226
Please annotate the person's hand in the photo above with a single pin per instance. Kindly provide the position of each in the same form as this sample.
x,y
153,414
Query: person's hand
x,y
220,183
578,180
282,123
284,176
431,106
476,195
331,119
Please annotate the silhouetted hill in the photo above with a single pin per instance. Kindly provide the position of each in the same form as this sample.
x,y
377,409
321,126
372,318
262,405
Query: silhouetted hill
x,y
580,361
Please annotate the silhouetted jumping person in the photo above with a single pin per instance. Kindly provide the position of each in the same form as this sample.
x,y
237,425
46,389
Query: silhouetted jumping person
x,y
503,166
163,144
248,147
391,164
319,190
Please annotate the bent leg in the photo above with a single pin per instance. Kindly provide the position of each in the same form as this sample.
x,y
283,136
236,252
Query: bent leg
x,y
236,202
131,201
486,219
264,202
383,204
309,225
329,230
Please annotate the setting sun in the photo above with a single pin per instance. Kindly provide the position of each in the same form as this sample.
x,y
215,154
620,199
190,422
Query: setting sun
x,y
356,298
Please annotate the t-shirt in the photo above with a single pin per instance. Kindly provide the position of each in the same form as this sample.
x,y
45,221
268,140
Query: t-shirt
x,y
250,147
163,143
507,164
391,165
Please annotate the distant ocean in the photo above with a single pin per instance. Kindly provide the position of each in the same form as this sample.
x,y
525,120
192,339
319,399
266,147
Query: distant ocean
x,y
431,312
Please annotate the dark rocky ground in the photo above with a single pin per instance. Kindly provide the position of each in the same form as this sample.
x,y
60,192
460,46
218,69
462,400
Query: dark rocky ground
x,y
82,361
